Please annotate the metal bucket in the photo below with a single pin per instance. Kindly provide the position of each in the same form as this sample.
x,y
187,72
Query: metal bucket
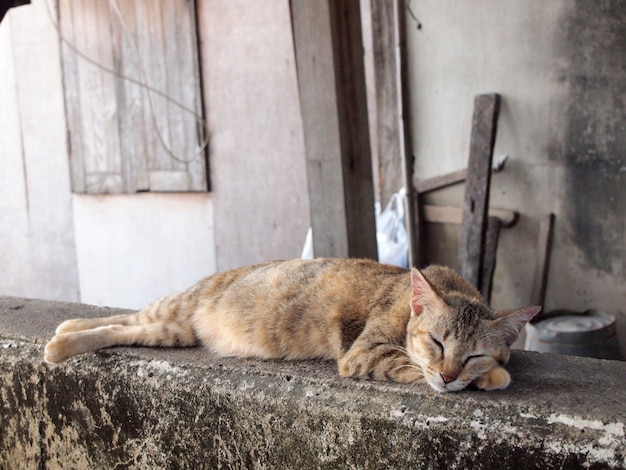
x,y
589,334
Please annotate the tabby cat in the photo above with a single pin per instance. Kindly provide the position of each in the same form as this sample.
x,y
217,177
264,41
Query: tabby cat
x,y
377,321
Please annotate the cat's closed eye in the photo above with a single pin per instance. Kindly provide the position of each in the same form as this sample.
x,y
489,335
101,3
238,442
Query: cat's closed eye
x,y
473,357
437,343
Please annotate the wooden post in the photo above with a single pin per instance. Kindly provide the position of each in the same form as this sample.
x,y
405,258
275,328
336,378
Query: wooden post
x,y
331,78
476,205
392,106
415,224
489,259
542,259
388,97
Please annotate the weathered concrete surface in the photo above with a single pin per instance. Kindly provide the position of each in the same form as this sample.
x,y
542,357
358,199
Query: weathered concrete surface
x,y
158,408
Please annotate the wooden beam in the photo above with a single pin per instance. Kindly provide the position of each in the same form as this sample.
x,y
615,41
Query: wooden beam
x,y
483,137
331,78
454,215
439,182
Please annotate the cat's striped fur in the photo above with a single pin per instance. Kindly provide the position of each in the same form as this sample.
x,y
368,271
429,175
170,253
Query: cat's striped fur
x,y
377,321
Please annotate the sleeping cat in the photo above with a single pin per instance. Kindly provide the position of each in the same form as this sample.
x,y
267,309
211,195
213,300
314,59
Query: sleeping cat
x,y
377,321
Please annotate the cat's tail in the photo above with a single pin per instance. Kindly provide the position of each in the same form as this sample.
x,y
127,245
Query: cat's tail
x,y
166,322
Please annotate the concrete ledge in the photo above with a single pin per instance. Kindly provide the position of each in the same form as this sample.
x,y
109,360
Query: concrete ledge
x,y
185,408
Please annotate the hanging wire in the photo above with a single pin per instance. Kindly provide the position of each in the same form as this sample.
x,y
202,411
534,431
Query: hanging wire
x,y
418,25
143,83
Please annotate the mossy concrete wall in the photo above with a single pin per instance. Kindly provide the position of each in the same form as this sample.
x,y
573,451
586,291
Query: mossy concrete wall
x,y
186,408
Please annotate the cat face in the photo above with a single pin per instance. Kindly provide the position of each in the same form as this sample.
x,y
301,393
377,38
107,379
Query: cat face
x,y
454,339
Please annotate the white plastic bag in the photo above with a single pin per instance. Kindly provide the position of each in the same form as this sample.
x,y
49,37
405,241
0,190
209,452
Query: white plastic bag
x,y
391,237
393,246
307,250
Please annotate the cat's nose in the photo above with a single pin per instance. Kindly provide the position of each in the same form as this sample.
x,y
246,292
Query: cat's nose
x,y
447,378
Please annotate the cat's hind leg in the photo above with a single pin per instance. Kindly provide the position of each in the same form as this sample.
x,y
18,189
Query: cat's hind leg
x,y
166,334
162,310
80,324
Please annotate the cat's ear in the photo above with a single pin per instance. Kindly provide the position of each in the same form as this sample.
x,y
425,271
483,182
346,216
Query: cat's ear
x,y
424,293
510,323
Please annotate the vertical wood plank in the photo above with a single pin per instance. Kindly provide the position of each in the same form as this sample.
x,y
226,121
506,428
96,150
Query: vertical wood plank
x,y
106,104
174,58
489,261
193,129
476,204
542,259
316,83
415,215
148,138
393,127
388,101
331,78
156,70
347,37
72,97
122,48
118,131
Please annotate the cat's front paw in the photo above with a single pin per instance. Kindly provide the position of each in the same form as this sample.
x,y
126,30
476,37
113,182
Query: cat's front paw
x,y
496,379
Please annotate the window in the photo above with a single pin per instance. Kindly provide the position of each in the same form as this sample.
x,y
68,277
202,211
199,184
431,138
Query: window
x,y
121,60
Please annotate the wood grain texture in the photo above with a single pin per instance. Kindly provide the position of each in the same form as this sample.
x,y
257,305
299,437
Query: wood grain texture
x,y
415,223
395,160
331,79
388,99
119,131
345,23
454,215
489,258
317,91
542,259
442,181
483,136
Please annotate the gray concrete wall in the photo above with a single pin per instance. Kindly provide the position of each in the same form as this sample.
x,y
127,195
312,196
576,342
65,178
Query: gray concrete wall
x,y
261,203
36,237
560,67
127,250
185,408
121,250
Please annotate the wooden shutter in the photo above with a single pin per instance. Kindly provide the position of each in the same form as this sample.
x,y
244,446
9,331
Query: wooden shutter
x,y
121,139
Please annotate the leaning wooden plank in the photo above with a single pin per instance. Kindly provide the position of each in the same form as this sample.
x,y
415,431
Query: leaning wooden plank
x,y
316,84
415,225
388,100
356,157
331,80
472,243
393,128
454,215
439,182
489,259
542,259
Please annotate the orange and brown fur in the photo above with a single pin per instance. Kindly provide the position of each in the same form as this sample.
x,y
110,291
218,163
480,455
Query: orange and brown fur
x,y
377,321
